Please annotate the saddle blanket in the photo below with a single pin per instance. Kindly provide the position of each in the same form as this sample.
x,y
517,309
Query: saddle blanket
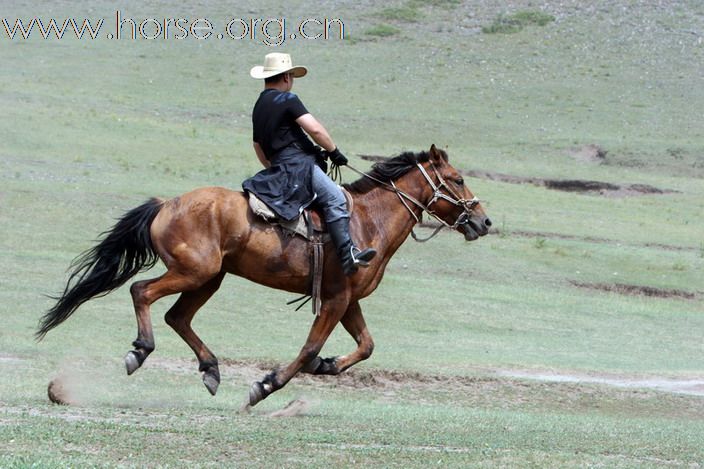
x,y
300,224
262,210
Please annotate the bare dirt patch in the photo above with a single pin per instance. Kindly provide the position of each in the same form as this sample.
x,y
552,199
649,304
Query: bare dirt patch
x,y
490,388
606,189
588,153
351,379
394,380
636,290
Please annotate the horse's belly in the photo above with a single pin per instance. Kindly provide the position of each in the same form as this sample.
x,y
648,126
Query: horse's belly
x,y
270,258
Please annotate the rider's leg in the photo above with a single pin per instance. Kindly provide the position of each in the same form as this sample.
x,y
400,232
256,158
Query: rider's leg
x,y
350,256
334,207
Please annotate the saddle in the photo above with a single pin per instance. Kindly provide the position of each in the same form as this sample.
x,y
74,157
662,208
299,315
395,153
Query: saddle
x,y
311,226
306,225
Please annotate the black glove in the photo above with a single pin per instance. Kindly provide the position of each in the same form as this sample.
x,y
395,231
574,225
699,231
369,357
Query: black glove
x,y
337,158
321,157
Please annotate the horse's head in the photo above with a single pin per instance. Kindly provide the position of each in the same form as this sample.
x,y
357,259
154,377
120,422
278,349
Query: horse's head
x,y
451,200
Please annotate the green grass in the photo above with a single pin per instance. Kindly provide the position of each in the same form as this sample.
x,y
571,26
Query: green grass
x,y
382,30
407,14
91,129
515,22
485,438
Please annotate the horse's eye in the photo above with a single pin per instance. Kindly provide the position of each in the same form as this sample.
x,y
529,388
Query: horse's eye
x,y
460,181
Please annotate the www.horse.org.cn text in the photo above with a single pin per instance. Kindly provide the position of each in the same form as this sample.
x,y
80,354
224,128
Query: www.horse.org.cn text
x,y
268,31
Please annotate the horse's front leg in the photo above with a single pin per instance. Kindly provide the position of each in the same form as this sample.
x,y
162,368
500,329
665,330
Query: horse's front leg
x,y
353,320
331,313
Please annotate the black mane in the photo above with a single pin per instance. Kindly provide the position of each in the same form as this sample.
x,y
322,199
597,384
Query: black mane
x,y
388,170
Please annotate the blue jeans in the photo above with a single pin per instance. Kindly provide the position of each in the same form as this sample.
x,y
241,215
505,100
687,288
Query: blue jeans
x,y
329,197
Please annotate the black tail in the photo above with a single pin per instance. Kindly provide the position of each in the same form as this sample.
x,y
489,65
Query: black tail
x,y
122,253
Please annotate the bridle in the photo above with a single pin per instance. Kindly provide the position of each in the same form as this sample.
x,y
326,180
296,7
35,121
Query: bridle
x,y
451,197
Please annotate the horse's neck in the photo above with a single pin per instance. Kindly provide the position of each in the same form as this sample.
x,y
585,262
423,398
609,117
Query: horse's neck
x,y
392,221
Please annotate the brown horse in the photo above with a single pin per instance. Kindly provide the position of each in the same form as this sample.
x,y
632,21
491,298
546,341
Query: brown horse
x,y
204,234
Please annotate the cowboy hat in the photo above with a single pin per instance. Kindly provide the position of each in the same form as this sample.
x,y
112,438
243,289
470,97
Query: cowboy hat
x,y
276,63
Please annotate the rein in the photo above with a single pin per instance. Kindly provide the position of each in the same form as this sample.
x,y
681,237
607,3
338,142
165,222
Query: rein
x,y
453,198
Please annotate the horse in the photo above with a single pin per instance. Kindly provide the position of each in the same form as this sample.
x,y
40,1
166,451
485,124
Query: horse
x,y
208,232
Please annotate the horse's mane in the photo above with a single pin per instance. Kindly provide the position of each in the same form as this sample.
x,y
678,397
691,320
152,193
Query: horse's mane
x,y
389,170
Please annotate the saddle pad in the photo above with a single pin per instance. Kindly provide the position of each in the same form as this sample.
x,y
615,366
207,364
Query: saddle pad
x,y
297,226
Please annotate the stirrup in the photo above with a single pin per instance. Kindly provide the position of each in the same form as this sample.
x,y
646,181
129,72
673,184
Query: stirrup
x,y
362,257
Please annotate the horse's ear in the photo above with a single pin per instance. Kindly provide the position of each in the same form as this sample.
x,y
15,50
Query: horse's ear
x,y
435,154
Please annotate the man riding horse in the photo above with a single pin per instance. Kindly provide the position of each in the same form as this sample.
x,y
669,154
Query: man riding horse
x,y
206,233
293,178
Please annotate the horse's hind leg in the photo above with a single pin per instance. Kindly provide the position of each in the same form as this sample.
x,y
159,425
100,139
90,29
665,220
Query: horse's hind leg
x,y
354,323
179,317
145,293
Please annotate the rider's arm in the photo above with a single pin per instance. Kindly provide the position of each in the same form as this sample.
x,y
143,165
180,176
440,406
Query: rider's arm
x,y
260,154
316,131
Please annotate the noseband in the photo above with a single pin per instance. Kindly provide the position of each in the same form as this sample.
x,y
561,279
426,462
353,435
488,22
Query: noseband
x,y
451,197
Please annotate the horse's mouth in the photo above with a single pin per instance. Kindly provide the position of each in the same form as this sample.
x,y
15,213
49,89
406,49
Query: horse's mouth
x,y
473,228
469,233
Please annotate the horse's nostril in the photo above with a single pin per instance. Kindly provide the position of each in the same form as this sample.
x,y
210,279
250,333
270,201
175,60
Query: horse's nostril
x,y
487,222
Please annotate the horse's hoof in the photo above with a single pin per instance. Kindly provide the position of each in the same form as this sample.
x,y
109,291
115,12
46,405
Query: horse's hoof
x,y
131,362
211,382
255,393
311,366
322,366
328,366
258,392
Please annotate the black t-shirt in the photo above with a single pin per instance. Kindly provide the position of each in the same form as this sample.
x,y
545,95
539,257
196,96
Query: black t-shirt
x,y
274,122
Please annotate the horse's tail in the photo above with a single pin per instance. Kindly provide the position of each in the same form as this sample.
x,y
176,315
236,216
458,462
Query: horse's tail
x,y
124,251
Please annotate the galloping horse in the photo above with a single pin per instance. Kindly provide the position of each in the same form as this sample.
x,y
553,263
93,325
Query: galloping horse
x,y
204,234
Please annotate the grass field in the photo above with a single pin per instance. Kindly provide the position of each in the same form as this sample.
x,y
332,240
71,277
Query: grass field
x,y
572,336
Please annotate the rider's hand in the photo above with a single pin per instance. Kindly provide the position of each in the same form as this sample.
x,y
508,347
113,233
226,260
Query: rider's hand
x,y
321,157
337,157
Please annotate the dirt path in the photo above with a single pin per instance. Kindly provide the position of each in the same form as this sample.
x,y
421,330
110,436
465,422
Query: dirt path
x,y
693,386
394,379
503,388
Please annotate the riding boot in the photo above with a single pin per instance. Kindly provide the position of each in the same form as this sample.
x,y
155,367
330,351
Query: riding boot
x,y
350,256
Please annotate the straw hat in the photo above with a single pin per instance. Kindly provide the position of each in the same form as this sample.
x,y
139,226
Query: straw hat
x,y
276,63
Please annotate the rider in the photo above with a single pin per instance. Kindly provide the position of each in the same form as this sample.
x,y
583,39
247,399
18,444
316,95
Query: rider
x,y
292,180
